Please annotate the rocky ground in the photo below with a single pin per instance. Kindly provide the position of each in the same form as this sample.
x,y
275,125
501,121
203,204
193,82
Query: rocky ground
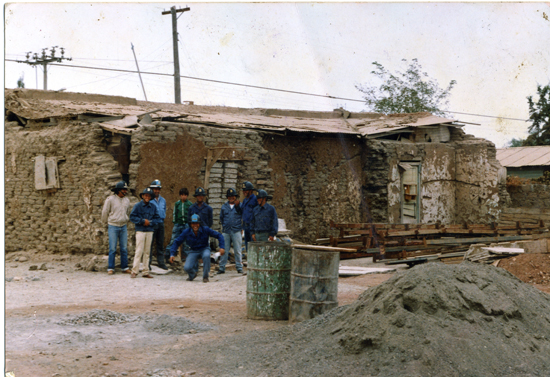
x,y
64,321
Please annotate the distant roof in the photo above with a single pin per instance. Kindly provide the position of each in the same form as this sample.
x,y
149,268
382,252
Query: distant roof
x,y
40,105
524,156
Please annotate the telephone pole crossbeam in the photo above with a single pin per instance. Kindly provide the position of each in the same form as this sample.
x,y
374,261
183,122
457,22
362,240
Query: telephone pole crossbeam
x,y
177,86
44,60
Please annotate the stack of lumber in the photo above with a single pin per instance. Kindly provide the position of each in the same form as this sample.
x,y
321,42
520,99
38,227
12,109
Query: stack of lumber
x,y
490,254
400,241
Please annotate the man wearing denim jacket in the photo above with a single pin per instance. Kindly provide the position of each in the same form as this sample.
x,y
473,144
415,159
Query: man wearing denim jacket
x,y
231,222
145,215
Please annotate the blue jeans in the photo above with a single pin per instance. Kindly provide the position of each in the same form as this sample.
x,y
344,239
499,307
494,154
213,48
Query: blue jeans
x,y
236,240
192,262
118,234
176,231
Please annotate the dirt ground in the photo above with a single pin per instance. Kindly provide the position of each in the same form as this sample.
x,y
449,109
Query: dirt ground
x,y
61,321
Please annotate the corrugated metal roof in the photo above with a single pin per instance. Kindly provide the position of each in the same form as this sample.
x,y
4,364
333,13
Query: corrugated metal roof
x,y
524,156
364,124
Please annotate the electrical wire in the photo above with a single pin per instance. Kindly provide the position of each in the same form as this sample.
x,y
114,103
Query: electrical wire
x,y
259,87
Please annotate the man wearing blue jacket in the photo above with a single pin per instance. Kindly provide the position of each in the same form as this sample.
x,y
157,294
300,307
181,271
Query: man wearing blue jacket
x,y
145,215
196,238
158,231
265,223
248,205
202,209
231,222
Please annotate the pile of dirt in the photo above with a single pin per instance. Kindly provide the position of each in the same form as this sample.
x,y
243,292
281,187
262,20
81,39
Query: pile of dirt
x,y
96,317
433,320
530,268
171,325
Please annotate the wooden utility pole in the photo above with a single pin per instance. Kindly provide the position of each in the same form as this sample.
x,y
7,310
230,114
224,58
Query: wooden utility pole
x,y
139,73
177,87
44,60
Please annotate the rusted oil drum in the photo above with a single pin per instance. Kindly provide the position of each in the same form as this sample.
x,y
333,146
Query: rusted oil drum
x,y
268,280
314,283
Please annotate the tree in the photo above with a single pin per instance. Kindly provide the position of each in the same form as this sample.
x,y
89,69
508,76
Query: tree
x,y
515,143
539,115
20,82
411,91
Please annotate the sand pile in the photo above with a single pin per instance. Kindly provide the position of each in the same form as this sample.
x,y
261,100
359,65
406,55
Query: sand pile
x,y
435,319
445,320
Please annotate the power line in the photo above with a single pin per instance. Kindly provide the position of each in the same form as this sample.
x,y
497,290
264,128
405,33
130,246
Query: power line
x,y
264,88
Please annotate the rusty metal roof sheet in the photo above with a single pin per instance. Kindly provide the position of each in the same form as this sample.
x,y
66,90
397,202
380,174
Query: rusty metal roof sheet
x,y
524,156
41,106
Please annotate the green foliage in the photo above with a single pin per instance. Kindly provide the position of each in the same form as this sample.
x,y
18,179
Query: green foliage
x,y
515,143
411,91
539,115
20,82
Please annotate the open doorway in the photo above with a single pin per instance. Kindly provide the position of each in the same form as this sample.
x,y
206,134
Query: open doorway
x,y
410,192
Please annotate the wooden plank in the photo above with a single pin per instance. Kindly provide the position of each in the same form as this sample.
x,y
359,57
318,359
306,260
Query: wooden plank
x,y
325,248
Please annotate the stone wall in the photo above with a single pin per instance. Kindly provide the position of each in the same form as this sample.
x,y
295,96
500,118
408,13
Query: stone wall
x,y
529,196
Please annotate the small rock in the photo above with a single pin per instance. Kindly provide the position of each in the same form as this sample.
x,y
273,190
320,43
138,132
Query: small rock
x,y
33,268
9,279
23,259
124,374
192,331
17,278
181,307
36,279
16,259
43,267
113,358
190,373
78,265
88,356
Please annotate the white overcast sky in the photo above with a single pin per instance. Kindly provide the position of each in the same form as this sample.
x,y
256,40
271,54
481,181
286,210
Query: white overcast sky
x,y
497,52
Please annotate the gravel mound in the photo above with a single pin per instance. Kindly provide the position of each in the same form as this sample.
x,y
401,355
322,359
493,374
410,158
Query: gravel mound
x,y
439,320
466,320
97,317
171,325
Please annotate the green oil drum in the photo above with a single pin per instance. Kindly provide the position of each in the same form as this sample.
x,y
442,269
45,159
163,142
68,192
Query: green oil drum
x,y
268,280
314,283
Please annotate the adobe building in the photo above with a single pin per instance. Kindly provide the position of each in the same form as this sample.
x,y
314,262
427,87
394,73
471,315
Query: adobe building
x,y
65,151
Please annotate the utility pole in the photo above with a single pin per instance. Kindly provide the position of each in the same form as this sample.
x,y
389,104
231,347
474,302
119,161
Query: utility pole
x,y
44,60
173,11
143,87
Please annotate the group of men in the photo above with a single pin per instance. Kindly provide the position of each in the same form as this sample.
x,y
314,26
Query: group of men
x,y
192,228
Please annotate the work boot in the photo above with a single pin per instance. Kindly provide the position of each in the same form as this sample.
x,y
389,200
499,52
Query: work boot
x,y
220,272
205,280
163,266
191,278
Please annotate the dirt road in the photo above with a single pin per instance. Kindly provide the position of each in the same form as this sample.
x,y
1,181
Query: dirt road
x,y
67,322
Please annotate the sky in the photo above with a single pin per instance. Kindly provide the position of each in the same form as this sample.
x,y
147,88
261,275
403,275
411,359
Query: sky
x,y
497,52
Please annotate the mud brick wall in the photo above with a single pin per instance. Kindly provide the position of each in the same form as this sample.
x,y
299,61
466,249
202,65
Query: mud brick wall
x,y
377,171
529,196
66,219
316,178
176,154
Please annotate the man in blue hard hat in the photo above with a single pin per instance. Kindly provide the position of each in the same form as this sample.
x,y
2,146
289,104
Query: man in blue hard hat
x,y
145,215
248,205
231,222
116,213
196,238
265,223
158,232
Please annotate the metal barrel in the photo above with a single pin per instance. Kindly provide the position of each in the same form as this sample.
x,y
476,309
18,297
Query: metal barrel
x,y
314,283
268,280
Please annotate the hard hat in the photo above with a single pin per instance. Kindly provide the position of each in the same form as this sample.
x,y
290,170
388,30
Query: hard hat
x,y
231,192
195,219
120,186
147,190
263,194
200,192
155,184
248,186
